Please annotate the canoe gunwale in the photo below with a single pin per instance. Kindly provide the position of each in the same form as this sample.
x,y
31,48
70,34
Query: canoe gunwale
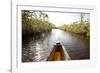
x,y
58,48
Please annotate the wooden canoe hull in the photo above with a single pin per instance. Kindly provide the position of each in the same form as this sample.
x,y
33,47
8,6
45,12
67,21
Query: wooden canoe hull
x,y
57,54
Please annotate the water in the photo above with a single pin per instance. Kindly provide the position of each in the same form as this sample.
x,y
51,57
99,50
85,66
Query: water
x,y
36,49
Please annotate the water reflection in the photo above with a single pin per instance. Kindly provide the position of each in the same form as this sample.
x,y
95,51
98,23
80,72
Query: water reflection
x,y
38,48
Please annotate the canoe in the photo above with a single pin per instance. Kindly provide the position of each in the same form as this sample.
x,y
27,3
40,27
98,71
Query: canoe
x,y
58,53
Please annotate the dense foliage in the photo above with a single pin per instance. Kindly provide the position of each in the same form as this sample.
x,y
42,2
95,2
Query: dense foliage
x,y
35,22
81,27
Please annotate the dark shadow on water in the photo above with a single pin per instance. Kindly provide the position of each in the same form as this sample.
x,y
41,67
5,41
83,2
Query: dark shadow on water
x,y
29,44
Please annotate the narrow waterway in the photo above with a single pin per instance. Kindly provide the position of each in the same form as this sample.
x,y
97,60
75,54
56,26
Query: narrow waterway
x,y
38,48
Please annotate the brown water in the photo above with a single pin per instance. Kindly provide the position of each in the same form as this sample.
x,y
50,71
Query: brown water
x,y
38,48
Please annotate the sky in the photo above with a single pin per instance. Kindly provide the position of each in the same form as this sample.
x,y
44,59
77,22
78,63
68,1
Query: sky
x,y
64,18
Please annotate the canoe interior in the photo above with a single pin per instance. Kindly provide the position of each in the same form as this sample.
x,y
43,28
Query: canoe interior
x,y
57,54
